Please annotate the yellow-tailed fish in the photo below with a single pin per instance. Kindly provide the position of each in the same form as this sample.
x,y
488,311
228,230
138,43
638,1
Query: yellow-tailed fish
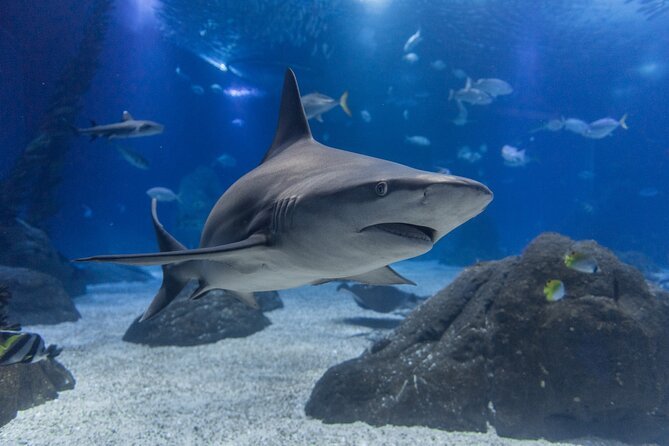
x,y
579,261
554,290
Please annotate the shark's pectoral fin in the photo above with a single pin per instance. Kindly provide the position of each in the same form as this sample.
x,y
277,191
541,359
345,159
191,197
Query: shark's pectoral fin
x,y
381,276
248,298
216,253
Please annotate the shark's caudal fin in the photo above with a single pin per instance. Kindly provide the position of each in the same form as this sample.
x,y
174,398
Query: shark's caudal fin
x,y
292,124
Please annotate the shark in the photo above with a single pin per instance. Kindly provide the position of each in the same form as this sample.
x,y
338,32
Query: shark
x,y
307,215
129,127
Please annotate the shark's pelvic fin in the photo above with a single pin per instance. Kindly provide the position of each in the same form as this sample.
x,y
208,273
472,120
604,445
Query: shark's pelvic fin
x,y
381,276
173,282
216,253
292,124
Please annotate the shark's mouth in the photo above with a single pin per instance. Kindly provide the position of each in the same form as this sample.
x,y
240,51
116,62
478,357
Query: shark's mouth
x,y
406,230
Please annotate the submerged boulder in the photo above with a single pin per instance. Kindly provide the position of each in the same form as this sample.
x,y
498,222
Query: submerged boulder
x,y
25,246
37,298
209,319
23,386
490,348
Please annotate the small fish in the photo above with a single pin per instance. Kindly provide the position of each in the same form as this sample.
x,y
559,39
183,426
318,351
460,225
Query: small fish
x,y
316,104
554,290
226,160
183,76
494,87
133,158
553,125
216,88
405,114
575,125
514,157
417,140
465,153
162,194
579,261
462,118
411,58
471,95
197,89
22,347
238,122
412,41
366,116
459,73
438,65
604,127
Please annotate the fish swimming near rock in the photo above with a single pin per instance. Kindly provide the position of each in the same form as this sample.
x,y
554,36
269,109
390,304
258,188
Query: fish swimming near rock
x,y
133,158
554,290
316,104
379,298
310,214
604,127
129,127
581,262
22,347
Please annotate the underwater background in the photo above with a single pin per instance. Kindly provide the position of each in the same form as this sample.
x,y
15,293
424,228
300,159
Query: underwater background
x,y
586,60
545,318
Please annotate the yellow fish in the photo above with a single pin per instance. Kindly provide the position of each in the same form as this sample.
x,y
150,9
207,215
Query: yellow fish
x,y
554,290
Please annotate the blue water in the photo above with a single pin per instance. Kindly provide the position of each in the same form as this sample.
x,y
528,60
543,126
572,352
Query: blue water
x,y
587,60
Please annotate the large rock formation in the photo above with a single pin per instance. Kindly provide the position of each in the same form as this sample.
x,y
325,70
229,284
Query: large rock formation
x,y
23,386
212,317
491,349
37,298
25,246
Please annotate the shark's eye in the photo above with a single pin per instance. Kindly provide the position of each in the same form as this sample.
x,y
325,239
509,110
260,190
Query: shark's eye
x,y
381,188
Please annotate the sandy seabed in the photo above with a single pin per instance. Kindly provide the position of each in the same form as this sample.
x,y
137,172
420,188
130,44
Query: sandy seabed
x,y
249,391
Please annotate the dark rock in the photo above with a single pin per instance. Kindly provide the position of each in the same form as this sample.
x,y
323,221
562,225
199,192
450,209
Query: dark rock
x,y
213,317
269,301
381,298
37,298
23,386
24,246
94,273
491,349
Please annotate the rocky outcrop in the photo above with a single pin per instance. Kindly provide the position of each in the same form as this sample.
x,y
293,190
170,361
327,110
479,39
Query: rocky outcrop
x,y
491,349
25,246
23,386
37,298
212,317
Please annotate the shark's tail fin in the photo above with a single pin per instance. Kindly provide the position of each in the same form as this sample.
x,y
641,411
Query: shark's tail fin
x,y
172,282
343,103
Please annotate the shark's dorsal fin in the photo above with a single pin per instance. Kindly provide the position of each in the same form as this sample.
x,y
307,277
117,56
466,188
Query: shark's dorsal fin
x,y
292,124
127,116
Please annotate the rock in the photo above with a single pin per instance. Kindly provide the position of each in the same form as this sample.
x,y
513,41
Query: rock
x,y
22,245
491,349
37,298
381,298
23,386
269,301
94,273
213,317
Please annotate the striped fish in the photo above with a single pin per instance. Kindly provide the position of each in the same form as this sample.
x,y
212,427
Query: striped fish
x,y
21,347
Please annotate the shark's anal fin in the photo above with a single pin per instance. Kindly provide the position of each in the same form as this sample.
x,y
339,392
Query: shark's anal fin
x,y
215,253
293,124
381,276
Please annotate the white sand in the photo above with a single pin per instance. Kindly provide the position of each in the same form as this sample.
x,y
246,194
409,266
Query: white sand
x,y
248,391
